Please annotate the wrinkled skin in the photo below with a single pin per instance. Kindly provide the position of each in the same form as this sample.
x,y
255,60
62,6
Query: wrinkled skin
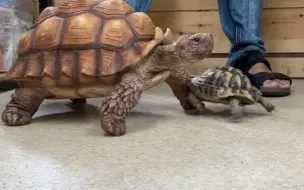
x,y
174,57
164,63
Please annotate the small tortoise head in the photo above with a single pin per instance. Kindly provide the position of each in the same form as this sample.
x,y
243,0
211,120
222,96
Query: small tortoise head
x,y
194,48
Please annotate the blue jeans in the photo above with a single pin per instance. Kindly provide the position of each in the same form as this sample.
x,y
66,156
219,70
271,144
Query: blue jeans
x,y
240,23
140,5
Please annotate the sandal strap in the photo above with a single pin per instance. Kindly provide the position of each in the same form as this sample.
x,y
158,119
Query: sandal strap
x,y
248,61
258,79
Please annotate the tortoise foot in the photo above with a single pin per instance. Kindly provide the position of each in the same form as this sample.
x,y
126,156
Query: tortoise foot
x,y
237,116
267,105
16,117
196,106
270,107
23,105
113,127
191,111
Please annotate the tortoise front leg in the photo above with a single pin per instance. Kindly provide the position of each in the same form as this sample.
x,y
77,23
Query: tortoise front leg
x,y
178,83
119,103
157,79
198,104
236,110
23,105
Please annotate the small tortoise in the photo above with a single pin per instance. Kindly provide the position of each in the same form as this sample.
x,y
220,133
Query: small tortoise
x,y
225,85
98,48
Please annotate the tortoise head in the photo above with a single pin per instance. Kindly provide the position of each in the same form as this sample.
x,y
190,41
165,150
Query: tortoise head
x,y
193,48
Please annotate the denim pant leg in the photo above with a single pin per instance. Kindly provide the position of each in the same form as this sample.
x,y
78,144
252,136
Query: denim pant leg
x,y
240,23
140,5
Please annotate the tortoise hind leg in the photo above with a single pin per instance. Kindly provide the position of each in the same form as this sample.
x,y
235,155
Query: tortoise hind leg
x,y
198,104
79,101
257,96
267,105
23,105
117,105
236,111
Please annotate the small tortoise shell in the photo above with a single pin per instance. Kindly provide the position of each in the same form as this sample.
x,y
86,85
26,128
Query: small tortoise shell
x,y
225,81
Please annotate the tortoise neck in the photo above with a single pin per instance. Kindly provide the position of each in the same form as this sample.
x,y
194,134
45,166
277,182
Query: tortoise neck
x,y
163,58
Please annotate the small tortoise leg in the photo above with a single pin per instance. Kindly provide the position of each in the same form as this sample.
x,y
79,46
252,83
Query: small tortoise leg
x,y
79,101
23,105
236,110
116,107
197,103
267,105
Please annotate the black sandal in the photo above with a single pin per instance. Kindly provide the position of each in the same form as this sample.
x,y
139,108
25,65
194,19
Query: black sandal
x,y
258,79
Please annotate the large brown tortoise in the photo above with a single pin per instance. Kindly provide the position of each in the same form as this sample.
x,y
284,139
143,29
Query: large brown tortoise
x,y
99,48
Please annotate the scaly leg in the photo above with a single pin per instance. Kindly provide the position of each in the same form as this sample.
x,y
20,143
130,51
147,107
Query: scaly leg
x,y
180,91
119,103
79,101
236,111
178,84
161,77
267,105
23,105
198,104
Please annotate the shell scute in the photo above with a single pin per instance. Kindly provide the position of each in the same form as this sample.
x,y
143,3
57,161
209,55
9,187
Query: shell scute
x,y
49,59
75,6
81,30
34,67
18,69
116,33
129,56
87,62
48,33
45,14
142,24
109,8
108,63
24,45
67,63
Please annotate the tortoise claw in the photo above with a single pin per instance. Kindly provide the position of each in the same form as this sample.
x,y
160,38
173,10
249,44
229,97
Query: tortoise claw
x,y
15,117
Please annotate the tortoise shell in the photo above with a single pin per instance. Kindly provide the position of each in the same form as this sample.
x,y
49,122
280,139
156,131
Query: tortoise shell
x,y
89,37
223,82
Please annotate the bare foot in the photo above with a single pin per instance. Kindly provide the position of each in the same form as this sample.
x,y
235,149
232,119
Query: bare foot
x,y
261,67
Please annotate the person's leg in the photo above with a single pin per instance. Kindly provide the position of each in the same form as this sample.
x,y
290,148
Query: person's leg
x,y
140,5
241,23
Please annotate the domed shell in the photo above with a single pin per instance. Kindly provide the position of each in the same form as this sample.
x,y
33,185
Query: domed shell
x,y
97,37
227,81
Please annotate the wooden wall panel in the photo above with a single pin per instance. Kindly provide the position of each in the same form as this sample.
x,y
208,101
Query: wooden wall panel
x,y
180,5
57,3
281,28
194,5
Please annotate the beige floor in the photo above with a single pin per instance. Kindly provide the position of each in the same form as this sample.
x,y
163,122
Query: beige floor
x,y
163,149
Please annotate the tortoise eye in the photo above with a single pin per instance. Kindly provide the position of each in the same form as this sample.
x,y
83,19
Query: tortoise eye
x,y
196,39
